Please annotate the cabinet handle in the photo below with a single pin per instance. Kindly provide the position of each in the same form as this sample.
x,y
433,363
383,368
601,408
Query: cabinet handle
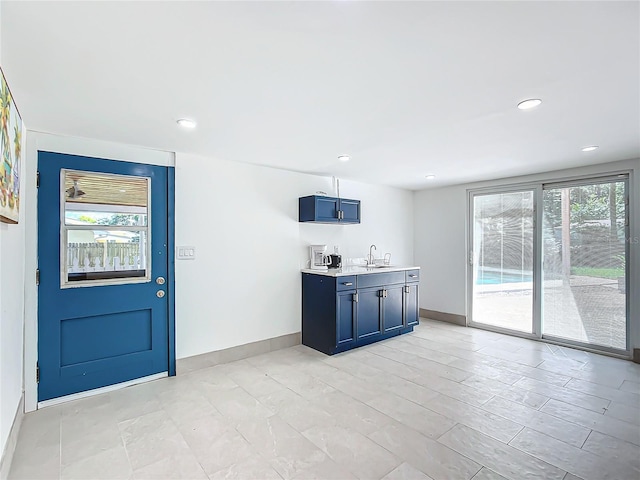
x,y
406,289
355,298
348,284
412,276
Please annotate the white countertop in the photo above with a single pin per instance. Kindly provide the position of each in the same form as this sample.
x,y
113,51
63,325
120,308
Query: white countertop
x,y
357,270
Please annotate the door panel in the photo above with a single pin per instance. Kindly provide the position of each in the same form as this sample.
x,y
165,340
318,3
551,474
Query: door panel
x,y
95,330
326,209
346,317
392,308
412,313
369,319
503,251
584,264
350,209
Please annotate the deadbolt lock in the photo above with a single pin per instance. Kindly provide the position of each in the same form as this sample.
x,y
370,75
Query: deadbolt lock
x,y
160,293
160,280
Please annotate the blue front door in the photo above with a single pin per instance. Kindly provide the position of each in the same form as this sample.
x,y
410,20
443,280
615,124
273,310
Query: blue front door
x,y
103,260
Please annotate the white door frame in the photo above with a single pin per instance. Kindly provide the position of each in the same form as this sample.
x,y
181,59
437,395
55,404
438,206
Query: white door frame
x,y
38,141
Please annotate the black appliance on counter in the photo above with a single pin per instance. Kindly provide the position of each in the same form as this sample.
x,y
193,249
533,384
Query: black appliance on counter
x,y
335,260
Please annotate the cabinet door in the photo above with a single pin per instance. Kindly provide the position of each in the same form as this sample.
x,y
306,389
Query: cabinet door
x,y
350,210
392,307
326,209
369,318
345,321
411,307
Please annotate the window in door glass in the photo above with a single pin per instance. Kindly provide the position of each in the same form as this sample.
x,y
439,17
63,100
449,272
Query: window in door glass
x,y
105,228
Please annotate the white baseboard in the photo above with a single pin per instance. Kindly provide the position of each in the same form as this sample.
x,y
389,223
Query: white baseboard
x,y
205,360
12,441
98,391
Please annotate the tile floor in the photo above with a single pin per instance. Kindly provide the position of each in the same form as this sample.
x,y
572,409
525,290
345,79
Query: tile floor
x,y
444,402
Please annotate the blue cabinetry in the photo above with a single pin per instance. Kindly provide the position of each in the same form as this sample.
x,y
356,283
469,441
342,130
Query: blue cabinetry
x,y
369,314
393,308
321,209
411,306
346,318
340,313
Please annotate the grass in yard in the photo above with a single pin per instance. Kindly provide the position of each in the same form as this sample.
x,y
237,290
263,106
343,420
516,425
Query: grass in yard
x,y
598,272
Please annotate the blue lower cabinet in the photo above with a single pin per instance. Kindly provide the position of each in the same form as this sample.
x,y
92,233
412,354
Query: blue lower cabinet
x,y
393,308
345,318
337,315
411,307
369,319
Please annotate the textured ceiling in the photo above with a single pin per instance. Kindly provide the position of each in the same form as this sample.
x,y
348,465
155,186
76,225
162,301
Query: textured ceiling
x,y
406,88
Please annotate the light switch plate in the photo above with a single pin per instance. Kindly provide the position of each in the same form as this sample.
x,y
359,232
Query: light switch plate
x,y
185,252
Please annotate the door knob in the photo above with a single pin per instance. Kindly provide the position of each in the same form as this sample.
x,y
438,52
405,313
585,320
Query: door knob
x,y
160,293
160,280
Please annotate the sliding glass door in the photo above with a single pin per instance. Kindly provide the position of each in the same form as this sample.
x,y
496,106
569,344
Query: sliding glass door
x,y
584,263
550,261
503,253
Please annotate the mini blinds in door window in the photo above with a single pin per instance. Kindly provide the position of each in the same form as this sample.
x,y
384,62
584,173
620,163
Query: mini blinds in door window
x,y
584,271
503,246
104,228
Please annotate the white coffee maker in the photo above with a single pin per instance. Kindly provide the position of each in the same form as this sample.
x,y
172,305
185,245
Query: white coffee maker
x,y
319,259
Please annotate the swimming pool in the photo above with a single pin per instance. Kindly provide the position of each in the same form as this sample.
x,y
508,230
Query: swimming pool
x,y
497,277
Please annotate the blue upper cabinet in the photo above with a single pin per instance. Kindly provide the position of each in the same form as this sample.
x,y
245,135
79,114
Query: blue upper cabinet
x,y
350,210
321,209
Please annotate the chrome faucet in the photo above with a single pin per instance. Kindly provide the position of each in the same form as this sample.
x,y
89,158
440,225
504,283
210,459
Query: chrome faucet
x,y
370,258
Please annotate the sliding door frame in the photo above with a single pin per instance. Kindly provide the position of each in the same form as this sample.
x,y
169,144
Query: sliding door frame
x,y
538,188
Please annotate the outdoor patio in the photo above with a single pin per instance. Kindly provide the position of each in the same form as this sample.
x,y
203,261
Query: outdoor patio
x,y
588,309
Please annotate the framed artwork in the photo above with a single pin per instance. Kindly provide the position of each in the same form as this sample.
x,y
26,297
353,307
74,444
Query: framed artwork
x,y
11,149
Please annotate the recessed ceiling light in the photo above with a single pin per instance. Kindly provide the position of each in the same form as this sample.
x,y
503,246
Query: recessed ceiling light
x,y
186,123
590,148
344,158
529,103
430,177
122,191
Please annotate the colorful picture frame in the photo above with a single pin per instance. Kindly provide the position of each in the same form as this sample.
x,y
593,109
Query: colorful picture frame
x,y
11,150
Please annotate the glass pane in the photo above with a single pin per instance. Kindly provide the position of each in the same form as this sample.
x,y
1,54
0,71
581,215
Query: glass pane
x,y
503,260
584,294
105,254
127,217
105,226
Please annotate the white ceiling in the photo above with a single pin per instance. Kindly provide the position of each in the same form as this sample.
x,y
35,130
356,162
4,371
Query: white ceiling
x,y
406,89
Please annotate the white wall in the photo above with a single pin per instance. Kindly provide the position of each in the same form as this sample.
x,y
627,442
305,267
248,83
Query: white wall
x,y
11,323
11,320
440,248
441,239
245,283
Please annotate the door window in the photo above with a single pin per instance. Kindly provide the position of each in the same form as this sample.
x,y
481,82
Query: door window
x,y
584,263
104,229
503,239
